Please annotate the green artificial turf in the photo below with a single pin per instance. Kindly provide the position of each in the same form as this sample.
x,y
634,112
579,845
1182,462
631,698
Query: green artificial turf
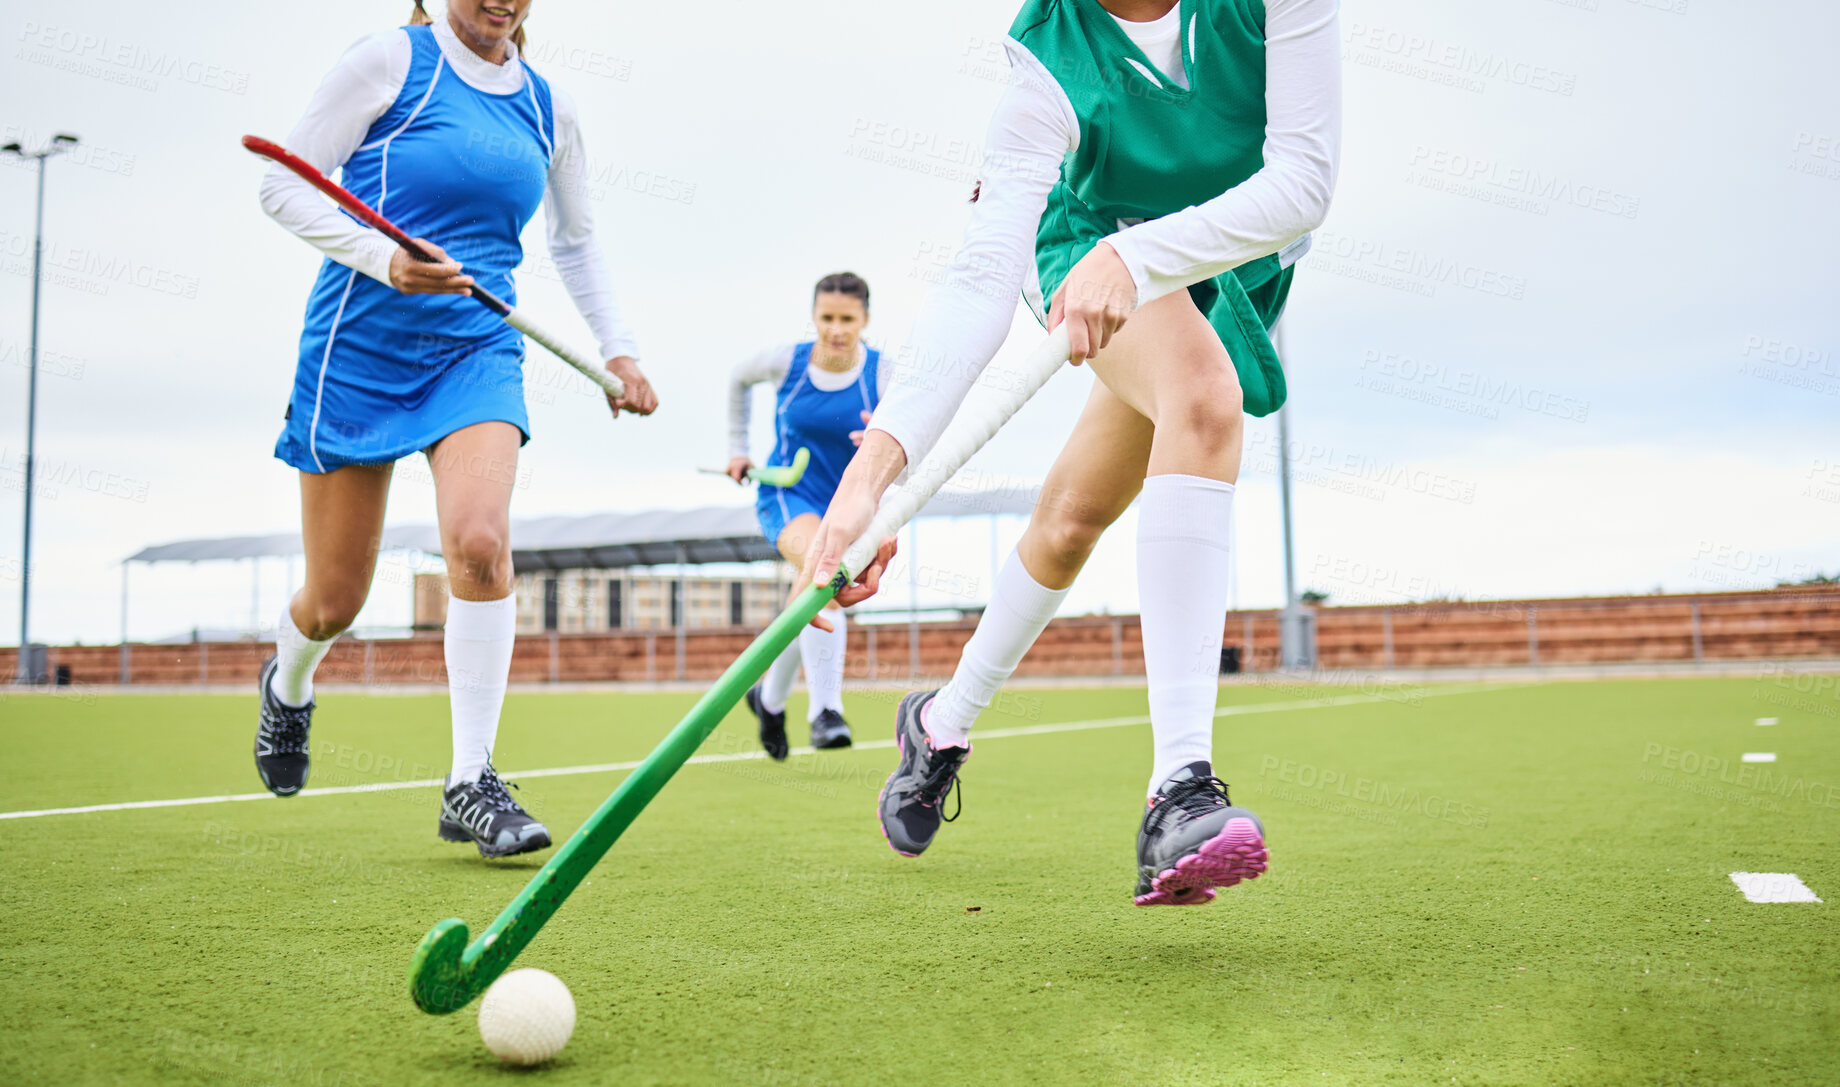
x,y
1522,885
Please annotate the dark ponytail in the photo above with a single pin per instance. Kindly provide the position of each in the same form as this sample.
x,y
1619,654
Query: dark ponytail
x,y
420,17
843,283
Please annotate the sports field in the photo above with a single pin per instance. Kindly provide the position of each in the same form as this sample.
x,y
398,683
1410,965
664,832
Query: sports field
x,y
1521,884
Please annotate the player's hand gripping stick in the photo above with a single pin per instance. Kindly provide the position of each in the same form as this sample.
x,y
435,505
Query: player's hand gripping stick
x,y
364,213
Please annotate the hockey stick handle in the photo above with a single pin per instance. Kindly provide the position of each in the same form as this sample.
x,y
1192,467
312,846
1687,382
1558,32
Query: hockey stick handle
x,y
365,214
976,422
590,367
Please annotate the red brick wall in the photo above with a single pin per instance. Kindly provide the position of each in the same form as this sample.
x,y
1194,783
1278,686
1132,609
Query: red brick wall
x,y
1741,626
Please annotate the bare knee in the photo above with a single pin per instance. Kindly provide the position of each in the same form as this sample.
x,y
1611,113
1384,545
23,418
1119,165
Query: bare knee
x,y
1066,533
1207,409
480,554
329,610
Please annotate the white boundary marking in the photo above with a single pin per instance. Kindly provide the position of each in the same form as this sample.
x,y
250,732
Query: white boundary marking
x,y
1766,720
1773,887
1758,756
738,756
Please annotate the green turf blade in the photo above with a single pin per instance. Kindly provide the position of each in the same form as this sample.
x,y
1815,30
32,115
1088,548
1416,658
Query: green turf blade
x,y
448,973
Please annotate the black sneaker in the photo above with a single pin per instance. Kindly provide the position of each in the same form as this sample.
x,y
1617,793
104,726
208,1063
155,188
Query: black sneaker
x,y
912,800
772,726
282,759
829,729
483,813
1194,839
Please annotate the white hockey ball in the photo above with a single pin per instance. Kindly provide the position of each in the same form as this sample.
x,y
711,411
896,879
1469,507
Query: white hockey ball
x,y
526,1017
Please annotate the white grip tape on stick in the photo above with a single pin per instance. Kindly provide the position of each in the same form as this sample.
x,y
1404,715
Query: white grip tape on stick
x,y
977,421
591,367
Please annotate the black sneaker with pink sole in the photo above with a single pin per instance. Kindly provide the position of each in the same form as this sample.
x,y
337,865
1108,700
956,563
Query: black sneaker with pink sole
x,y
913,800
1193,840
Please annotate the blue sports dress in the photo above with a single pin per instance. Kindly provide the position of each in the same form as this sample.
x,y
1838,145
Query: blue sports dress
x,y
820,421
383,374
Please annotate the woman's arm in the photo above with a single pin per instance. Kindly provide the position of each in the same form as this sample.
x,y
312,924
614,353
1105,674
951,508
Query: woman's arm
x,y
349,100
770,365
572,241
1285,199
966,318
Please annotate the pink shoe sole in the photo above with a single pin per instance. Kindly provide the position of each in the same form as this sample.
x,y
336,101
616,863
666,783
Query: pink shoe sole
x,y
1234,855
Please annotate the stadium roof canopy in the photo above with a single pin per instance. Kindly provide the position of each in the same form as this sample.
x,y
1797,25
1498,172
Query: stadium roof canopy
x,y
281,543
599,540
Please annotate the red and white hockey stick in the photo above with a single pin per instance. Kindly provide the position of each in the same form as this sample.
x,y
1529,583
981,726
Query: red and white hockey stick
x,y
364,213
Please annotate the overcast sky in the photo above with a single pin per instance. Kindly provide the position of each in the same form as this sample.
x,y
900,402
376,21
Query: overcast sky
x,y
1570,327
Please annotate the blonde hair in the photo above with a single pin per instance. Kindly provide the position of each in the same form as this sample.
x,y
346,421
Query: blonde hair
x,y
420,17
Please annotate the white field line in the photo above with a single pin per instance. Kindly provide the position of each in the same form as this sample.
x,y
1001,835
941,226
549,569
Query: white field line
x,y
1773,887
737,756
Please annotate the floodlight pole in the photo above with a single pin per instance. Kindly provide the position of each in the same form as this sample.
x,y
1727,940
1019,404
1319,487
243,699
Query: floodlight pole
x,y
683,612
913,598
24,672
1284,504
1296,624
125,651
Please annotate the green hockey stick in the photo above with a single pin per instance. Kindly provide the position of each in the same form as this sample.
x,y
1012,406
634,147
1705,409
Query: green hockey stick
x,y
448,972
783,475
773,475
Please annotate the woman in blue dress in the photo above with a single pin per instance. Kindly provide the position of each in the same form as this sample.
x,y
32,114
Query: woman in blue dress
x,y
827,389
445,129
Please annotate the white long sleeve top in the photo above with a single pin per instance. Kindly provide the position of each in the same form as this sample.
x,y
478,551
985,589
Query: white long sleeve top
x,y
770,367
364,83
965,319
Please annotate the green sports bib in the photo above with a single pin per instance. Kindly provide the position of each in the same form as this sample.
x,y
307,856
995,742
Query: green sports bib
x,y
1149,147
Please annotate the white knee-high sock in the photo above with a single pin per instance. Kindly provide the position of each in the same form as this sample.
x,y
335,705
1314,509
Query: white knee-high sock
x,y
1019,608
823,653
479,638
296,656
1183,525
776,687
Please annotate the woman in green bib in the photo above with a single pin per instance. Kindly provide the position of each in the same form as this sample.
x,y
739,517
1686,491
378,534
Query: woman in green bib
x,y
1152,173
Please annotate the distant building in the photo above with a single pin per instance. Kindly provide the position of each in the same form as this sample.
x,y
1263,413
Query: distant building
x,y
588,601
